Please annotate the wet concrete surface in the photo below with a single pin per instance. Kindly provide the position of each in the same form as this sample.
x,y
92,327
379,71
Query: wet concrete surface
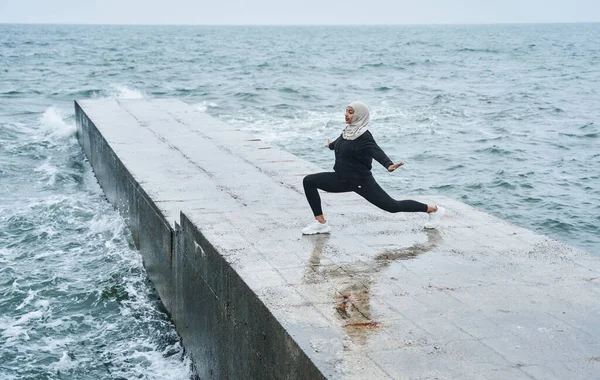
x,y
379,298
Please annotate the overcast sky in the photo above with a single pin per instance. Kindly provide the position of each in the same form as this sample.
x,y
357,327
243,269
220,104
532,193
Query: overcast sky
x,y
298,12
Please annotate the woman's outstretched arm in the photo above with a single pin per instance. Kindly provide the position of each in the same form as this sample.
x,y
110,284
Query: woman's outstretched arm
x,y
379,155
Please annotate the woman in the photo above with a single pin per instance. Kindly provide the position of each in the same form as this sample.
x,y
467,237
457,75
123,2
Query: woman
x,y
354,150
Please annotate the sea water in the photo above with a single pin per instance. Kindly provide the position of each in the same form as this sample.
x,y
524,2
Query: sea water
x,y
502,117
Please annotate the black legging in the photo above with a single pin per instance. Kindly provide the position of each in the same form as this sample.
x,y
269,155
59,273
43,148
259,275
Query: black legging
x,y
367,188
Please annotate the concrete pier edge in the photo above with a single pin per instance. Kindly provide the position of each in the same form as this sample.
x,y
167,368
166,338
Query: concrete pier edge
x,y
234,324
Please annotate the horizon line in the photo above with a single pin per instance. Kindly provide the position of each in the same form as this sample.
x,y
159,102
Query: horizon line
x,y
316,25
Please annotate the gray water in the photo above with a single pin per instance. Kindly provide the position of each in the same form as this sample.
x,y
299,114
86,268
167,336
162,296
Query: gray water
x,y
502,117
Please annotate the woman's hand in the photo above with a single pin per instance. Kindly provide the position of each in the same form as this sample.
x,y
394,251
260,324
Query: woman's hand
x,y
393,167
328,143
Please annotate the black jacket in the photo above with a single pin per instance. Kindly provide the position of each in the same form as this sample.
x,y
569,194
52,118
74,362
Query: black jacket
x,y
353,158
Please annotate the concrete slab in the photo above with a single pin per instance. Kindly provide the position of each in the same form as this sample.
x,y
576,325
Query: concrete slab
x,y
478,298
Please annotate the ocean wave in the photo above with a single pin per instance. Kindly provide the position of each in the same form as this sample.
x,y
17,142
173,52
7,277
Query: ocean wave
x,y
56,129
65,363
416,42
490,139
245,95
495,150
124,92
31,294
49,170
372,65
593,135
203,107
557,225
439,98
109,227
526,185
184,91
19,93
288,90
442,187
560,146
82,94
478,50
532,200
553,109
503,184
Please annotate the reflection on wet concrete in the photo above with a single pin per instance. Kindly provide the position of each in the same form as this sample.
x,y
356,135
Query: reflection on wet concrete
x,y
352,283
390,255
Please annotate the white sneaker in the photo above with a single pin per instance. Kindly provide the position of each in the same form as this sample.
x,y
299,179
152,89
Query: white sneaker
x,y
435,217
316,228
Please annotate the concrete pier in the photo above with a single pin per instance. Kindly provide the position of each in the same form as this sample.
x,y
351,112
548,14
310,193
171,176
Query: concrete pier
x,y
217,214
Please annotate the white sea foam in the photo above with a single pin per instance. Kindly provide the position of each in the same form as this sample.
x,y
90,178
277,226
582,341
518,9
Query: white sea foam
x,y
43,308
123,92
50,171
65,363
48,202
308,124
143,360
203,107
111,224
329,124
52,344
54,123
105,223
30,296
14,330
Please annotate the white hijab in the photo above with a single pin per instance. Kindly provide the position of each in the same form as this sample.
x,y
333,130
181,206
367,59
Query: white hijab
x,y
360,122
